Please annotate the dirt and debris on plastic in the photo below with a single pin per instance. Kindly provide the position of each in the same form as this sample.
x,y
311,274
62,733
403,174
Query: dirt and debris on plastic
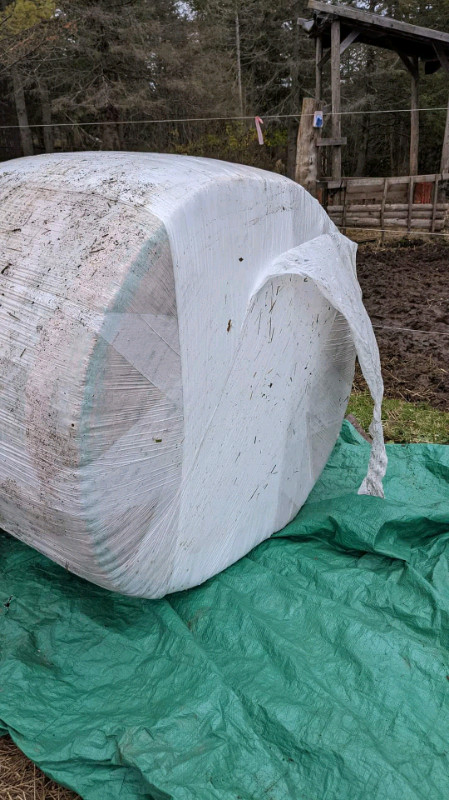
x,y
317,666
171,328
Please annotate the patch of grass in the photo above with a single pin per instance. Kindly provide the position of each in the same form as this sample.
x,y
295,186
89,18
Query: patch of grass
x,y
403,422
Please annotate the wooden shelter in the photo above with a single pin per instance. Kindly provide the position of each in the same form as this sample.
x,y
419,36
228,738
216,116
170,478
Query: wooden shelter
x,y
335,28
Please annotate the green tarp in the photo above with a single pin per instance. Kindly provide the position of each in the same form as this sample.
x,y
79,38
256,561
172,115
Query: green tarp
x,y
316,668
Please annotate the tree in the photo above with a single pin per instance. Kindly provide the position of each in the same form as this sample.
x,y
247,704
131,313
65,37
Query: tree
x,y
22,26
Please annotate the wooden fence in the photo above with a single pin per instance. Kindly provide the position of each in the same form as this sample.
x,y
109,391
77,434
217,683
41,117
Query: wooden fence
x,y
409,202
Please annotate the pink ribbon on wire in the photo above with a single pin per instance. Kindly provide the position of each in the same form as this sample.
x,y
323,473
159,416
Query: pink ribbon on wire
x,y
258,122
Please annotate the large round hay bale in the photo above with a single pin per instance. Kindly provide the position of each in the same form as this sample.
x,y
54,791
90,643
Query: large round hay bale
x,y
177,344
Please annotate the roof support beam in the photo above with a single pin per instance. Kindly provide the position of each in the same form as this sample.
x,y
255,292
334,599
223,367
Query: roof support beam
x,y
366,18
442,57
350,38
409,63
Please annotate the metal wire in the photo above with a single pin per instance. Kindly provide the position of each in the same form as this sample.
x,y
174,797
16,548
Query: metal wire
x,y
411,330
209,119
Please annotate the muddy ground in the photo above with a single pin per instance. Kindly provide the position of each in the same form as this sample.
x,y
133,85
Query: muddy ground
x,y
407,286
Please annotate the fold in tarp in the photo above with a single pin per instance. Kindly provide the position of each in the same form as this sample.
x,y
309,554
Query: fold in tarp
x,y
317,667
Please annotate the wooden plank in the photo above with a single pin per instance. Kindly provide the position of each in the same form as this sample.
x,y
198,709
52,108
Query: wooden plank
x,y
376,21
435,204
372,222
441,208
325,58
425,218
335,77
318,69
330,141
410,201
414,120
348,40
384,200
415,214
445,148
374,182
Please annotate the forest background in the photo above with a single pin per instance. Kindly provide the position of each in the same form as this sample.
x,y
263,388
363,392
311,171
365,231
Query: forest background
x,y
83,75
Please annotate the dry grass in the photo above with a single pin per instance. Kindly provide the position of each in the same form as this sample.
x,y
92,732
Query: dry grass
x,y
20,779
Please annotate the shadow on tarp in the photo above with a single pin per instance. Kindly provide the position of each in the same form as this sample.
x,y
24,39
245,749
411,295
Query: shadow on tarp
x,y
317,667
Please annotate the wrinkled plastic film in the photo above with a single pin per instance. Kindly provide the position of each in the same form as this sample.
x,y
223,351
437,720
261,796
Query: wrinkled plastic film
x,y
339,285
170,391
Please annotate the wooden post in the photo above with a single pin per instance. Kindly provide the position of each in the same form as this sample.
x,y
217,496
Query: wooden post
x,y
382,209
411,191
46,116
335,77
434,204
318,68
444,61
445,149
306,150
414,119
21,111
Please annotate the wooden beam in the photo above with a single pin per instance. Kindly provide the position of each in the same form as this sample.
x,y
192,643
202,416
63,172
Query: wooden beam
x,y
378,183
411,189
408,62
442,57
350,38
318,68
382,207
325,58
368,19
414,120
444,61
435,204
445,149
335,88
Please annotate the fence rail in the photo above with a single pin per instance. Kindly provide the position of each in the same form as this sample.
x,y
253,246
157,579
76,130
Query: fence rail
x,y
409,201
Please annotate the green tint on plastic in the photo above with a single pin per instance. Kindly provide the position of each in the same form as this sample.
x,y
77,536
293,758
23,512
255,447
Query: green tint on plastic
x,y
316,668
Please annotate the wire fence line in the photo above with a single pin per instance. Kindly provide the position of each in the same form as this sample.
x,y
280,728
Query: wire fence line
x,y
211,119
410,330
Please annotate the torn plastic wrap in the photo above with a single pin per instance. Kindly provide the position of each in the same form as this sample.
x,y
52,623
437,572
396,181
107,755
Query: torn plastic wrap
x,y
178,339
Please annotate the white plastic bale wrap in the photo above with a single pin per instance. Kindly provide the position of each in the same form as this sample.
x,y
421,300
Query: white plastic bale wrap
x,y
177,345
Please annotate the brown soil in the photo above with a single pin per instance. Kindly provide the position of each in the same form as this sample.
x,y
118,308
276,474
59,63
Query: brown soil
x,y
407,286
